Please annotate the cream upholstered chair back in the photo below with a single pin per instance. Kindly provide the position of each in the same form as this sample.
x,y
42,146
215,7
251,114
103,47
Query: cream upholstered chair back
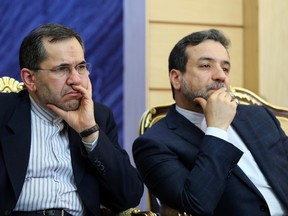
x,y
247,97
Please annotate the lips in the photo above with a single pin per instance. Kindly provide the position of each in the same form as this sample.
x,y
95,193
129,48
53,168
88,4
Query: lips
x,y
74,94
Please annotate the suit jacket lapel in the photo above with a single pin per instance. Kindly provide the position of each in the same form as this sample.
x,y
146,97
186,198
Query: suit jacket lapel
x,y
255,143
16,143
183,127
193,134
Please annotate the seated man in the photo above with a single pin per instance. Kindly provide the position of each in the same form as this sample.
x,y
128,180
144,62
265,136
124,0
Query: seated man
x,y
59,151
209,155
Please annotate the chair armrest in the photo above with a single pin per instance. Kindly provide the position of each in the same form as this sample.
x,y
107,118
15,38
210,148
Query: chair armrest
x,y
128,212
137,212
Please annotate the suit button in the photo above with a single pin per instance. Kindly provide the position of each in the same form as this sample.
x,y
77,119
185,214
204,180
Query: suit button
x,y
229,174
234,163
98,163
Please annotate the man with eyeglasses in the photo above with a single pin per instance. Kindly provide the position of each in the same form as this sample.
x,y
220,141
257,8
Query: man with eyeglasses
x,y
59,153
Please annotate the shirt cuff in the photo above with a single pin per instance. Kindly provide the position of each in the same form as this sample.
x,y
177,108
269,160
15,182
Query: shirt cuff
x,y
216,132
90,146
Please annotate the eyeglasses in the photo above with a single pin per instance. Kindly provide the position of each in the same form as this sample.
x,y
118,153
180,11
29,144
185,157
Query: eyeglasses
x,y
62,71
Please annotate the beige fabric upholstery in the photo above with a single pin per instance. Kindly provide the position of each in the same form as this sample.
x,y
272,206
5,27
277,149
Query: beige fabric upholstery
x,y
245,96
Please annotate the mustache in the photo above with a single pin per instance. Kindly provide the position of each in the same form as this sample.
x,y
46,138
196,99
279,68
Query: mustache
x,y
204,94
215,85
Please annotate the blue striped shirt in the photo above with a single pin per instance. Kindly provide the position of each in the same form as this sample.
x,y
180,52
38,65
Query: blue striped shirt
x,y
49,181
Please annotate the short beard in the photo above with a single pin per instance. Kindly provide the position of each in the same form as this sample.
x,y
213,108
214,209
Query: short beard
x,y
70,106
190,95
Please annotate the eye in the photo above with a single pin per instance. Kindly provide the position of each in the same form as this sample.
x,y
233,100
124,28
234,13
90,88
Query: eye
x,y
226,70
81,67
62,69
205,66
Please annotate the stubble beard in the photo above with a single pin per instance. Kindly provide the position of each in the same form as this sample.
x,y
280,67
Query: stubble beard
x,y
48,98
191,94
70,105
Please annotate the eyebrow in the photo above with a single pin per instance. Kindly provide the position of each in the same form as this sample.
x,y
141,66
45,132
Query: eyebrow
x,y
66,64
211,59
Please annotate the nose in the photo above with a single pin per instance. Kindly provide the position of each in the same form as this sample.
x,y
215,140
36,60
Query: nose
x,y
73,77
219,74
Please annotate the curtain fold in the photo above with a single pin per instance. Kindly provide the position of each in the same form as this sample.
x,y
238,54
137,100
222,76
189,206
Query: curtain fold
x,y
99,22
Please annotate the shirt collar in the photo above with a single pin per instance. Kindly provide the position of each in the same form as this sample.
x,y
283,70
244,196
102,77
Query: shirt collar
x,y
43,113
194,117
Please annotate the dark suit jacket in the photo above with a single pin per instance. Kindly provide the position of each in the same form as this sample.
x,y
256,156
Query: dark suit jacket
x,y
103,176
196,173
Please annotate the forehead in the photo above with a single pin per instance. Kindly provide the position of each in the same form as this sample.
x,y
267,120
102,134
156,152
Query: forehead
x,y
208,49
67,50
68,44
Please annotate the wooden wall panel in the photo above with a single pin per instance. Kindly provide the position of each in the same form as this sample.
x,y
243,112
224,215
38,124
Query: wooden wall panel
x,y
273,55
170,20
158,97
251,45
225,12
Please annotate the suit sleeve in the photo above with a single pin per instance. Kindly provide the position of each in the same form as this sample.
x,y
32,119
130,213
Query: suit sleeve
x,y
194,184
120,183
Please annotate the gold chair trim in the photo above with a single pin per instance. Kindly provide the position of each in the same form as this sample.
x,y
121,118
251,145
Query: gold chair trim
x,y
8,84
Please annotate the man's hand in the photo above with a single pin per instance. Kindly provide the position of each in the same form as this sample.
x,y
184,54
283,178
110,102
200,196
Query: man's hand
x,y
82,118
219,109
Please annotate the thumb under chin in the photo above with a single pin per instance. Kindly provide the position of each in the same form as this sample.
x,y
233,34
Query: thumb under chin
x,y
201,101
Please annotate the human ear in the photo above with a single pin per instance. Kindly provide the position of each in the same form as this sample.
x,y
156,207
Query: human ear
x,y
28,77
175,77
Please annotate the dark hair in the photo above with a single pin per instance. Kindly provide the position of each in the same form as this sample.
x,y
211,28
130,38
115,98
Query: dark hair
x,y
178,57
32,51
